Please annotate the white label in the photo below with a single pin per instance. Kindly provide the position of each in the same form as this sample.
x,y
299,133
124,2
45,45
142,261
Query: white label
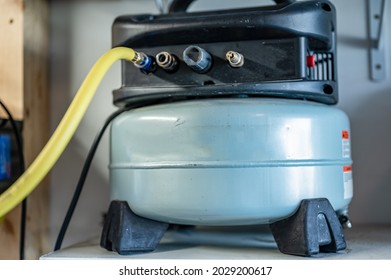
x,y
345,144
345,148
347,184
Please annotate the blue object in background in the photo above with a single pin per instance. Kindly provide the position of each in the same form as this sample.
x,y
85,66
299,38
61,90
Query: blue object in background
x,y
5,157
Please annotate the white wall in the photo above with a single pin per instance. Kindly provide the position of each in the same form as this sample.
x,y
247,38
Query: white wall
x,y
81,32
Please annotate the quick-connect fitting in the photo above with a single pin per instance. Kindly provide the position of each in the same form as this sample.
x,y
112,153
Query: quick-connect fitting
x,y
197,59
167,61
144,62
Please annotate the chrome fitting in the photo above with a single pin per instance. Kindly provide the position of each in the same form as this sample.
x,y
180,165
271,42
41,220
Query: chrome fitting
x,y
167,61
144,62
234,59
197,59
344,218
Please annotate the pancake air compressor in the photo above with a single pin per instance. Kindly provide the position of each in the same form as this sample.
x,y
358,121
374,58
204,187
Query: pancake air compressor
x,y
240,132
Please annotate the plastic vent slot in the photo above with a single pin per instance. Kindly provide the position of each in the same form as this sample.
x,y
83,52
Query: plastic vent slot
x,y
323,69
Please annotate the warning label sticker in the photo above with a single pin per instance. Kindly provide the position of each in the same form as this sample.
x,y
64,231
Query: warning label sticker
x,y
345,144
347,182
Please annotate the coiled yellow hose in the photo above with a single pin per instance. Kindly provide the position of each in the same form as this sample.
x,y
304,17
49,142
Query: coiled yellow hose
x,y
34,174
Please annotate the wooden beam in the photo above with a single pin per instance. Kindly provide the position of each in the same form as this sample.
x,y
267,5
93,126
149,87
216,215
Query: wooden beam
x,y
11,56
36,119
11,93
24,89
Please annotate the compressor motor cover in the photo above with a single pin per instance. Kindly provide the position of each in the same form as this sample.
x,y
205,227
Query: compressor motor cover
x,y
287,50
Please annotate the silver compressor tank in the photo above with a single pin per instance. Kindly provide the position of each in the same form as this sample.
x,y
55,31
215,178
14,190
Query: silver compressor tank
x,y
234,161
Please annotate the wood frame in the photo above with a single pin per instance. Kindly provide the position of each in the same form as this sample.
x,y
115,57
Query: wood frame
x,y
24,88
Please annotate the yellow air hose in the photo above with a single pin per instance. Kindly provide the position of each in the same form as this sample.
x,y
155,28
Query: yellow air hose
x,y
34,174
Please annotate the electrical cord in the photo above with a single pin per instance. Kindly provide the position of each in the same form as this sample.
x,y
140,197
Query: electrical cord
x,y
87,164
2,122
179,6
162,6
82,178
284,1
18,138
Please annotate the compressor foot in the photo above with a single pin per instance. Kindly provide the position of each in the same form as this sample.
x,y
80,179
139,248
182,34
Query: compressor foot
x,y
312,229
125,232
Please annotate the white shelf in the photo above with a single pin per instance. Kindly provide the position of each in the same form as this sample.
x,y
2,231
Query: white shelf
x,y
363,242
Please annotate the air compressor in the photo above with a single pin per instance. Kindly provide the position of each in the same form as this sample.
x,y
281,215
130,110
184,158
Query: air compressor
x,y
238,127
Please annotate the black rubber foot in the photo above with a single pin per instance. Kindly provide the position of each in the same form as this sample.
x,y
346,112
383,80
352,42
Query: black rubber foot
x,y
125,232
312,229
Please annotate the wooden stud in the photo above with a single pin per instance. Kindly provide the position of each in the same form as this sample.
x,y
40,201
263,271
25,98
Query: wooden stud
x,y
11,56
24,89
11,93
36,119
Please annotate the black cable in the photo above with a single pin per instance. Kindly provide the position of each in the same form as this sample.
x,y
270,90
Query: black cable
x,y
18,138
82,178
284,1
3,122
83,175
179,6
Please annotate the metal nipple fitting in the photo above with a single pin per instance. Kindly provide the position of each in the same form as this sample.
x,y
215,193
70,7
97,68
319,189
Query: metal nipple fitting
x,y
234,59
